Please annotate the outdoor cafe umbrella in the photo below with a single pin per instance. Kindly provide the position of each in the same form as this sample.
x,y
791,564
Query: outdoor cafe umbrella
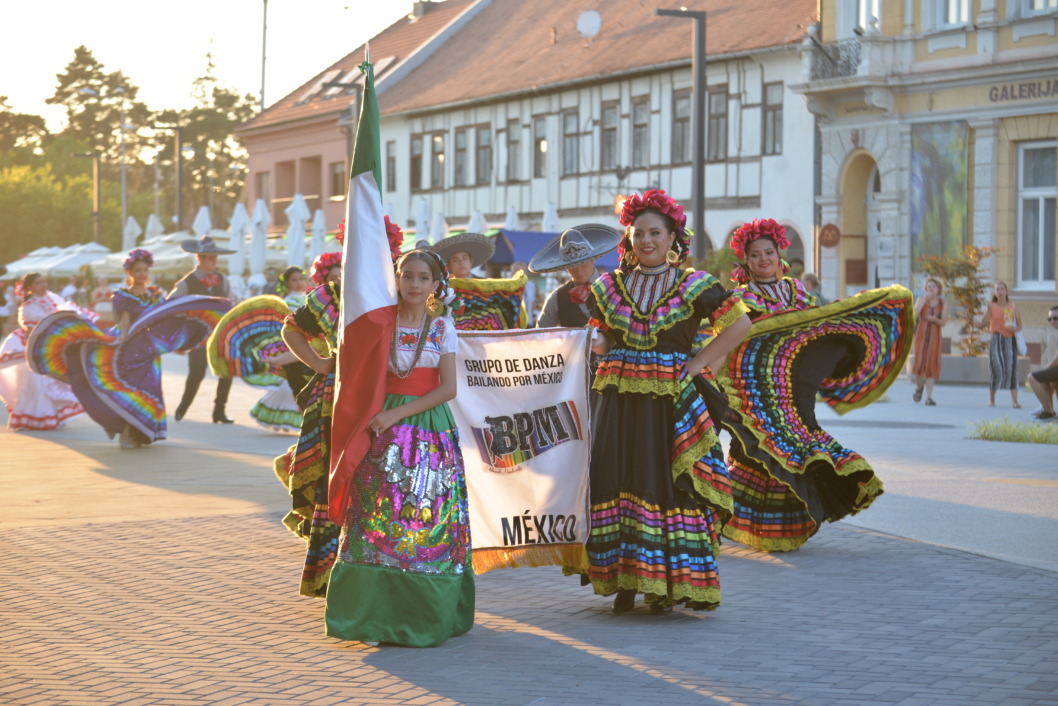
x,y
130,233
439,228
422,220
237,229
477,223
258,243
297,213
203,224
550,220
512,219
317,243
154,228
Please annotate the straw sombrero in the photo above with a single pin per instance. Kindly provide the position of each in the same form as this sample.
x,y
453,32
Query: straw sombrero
x,y
574,246
479,247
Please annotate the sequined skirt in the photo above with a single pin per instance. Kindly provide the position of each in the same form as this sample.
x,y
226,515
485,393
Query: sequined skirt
x,y
408,529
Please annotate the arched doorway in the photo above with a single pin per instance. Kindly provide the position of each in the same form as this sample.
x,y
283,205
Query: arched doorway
x,y
860,186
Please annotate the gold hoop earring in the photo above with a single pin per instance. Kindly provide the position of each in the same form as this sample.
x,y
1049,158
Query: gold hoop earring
x,y
672,257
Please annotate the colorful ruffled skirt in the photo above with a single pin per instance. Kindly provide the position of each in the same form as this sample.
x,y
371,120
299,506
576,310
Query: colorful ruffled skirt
x,y
788,474
277,409
403,573
34,402
304,469
120,384
659,495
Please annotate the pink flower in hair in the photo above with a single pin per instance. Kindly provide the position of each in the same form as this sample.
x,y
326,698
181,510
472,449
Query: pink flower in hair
x,y
656,199
756,229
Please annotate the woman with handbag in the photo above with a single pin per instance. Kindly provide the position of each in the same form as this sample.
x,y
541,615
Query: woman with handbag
x,y
1004,321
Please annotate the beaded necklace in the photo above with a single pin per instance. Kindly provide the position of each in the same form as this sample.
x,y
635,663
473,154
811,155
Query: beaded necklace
x,y
418,347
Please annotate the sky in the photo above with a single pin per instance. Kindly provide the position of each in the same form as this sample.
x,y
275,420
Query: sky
x,y
161,46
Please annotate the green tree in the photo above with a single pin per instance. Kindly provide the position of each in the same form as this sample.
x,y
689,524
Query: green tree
x,y
214,162
41,208
962,280
98,104
19,132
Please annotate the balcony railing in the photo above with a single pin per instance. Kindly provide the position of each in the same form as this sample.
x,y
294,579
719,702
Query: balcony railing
x,y
837,59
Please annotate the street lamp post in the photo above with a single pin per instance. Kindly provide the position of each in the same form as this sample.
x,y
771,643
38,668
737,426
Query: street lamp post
x,y
95,191
124,183
178,166
697,122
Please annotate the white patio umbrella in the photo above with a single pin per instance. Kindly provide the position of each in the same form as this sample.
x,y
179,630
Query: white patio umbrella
x,y
511,223
203,224
297,214
238,227
422,220
154,228
439,228
477,223
258,243
130,233
317,243
550,220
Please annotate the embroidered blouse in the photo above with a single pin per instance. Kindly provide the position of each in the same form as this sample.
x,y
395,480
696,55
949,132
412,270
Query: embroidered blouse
x,y
440,339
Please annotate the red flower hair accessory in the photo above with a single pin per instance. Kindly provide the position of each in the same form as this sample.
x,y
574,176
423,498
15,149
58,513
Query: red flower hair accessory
x,y
657,200
324,264
393,233
756,229
396,239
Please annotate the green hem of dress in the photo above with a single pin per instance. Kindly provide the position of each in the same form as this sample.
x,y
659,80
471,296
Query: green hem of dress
x,y
372,603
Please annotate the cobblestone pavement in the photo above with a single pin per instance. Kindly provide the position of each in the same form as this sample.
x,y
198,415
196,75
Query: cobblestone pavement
x,y
163,576
203,610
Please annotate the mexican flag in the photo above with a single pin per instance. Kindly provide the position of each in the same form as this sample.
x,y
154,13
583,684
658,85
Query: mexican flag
x,y
368,308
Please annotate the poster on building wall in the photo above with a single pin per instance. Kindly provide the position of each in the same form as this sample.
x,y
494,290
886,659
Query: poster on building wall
x,y
939,174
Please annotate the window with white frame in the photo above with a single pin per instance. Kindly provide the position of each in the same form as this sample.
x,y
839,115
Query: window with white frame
x,y
570,143
1037,198
483,155
608,147
951,13
868,14
514,149
459,165
1038,7
640,131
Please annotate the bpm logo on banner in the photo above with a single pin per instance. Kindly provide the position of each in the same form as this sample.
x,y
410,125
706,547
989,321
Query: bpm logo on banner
x,y
510,440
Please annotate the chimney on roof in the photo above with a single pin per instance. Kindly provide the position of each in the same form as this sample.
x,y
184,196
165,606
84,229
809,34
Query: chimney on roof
x,y
419,8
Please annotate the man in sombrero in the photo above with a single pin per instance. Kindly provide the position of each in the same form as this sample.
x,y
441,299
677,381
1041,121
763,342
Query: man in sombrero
x,y
463,252
204,279
575,250
484,304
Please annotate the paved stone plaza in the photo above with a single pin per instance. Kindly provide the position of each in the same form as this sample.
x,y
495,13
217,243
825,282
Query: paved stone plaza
x,y
163,576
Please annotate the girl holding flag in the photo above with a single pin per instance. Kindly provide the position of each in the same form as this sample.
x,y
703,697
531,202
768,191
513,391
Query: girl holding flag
x,y
403,573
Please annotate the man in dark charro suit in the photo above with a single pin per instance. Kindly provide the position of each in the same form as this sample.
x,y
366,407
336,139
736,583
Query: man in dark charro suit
x,y
204,279
575,251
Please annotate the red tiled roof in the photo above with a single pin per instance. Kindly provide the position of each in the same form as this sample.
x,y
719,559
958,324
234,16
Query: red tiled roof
x,y
507,47
514,46
399,41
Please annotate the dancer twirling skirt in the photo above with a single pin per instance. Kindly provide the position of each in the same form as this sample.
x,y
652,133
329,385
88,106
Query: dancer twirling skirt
x,y
788,475
116,373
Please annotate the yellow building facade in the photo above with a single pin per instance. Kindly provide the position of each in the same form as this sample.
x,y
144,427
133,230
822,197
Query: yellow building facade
x,y
938,126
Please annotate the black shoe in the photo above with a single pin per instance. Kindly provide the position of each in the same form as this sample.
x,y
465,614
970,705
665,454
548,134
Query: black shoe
x,y
660,609
625,601
180,412
220,418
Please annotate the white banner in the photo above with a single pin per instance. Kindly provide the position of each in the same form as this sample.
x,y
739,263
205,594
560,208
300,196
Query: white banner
x,y
522,412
